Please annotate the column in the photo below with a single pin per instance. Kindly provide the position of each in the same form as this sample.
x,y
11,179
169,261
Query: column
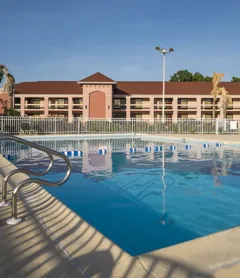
x,y
175,108
108,98
22,106
199,107
152,109
128,108
85,104
45,106
70,108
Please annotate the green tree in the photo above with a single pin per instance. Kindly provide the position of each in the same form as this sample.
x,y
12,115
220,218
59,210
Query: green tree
x,y
235,79
197,76
181,76
12,113
187,76
207,79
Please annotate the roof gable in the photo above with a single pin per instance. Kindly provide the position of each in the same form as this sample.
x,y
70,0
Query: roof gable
x,y
97,77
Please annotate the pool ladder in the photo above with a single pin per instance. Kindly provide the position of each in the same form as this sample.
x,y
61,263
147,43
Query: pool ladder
x,y
51,153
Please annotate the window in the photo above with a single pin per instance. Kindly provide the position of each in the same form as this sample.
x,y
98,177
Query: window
x,y
117,103
230,117
119,115
60,103
138,103
184,116
208,101
168,101
76,101
207,116
183,101
138,116
17,100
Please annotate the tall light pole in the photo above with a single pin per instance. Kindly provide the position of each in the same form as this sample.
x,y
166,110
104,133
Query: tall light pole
x,y
164,51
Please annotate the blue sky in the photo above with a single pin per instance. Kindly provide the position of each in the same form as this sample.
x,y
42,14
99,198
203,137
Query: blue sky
x,y
69,40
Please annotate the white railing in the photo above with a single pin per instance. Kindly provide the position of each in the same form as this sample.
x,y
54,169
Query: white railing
x,y
33,125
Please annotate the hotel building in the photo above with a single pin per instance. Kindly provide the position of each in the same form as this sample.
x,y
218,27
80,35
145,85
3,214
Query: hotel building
x,y
98,96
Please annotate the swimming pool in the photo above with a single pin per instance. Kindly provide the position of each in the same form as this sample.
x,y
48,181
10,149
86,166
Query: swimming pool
x,y
147,201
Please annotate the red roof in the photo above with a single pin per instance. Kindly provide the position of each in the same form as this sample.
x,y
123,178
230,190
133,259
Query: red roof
x,y
124,87
172,88
97,77
49,87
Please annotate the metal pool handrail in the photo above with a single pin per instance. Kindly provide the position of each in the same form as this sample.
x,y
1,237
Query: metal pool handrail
x,y
23,171
51,153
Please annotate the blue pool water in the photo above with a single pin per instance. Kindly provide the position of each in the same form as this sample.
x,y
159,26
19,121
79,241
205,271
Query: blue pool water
x,y
146,201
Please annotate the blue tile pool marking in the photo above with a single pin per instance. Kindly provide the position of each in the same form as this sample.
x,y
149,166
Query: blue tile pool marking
x,y
124,197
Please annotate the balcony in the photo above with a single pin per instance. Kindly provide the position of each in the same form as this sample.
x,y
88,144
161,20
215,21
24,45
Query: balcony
x,y
78,106
32,106
58,107
209,107
119,106
187,106
17,106
233,107
160,107
140,106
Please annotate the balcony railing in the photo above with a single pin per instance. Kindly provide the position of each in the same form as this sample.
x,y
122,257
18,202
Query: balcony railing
x,y
233,107
209,107
187,107
119,106
140,106
33,107
77,106
159,107
17,106
58,106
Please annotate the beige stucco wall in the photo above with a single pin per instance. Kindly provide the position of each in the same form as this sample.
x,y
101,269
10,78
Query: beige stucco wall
x,y
88,89
148,103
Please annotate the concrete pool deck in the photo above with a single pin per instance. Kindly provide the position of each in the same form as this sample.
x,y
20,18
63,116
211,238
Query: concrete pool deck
x,y
226,138
53,241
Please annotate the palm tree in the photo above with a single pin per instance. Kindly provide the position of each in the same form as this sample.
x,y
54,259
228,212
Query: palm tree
x,y
3,104
215,90
9,83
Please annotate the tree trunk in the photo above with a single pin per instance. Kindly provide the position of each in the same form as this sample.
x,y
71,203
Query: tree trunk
x,y
214,108
10,101
224,113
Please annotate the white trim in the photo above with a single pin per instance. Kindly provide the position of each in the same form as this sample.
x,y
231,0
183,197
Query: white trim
x,y
95,82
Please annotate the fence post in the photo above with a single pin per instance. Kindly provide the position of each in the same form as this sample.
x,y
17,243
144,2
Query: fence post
x,y
1,124
55,125
78,124
132,124
216,126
